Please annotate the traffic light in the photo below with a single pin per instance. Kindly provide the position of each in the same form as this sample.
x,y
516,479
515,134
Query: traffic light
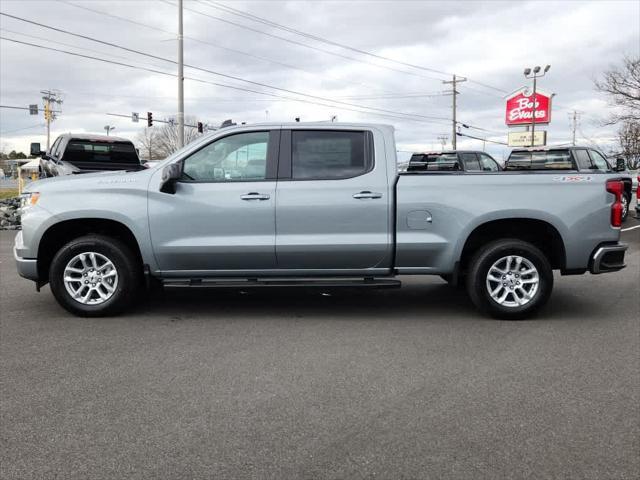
x,y
200,127
149,119
47,112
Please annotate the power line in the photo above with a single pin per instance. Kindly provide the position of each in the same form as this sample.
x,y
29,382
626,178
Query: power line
x,y
393,96
232,77
478,138
339,107
305,45
37,37
204,42
317,38
20,129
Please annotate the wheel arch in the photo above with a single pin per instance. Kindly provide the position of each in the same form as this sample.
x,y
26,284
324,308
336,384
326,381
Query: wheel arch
x,y
64,231
540,233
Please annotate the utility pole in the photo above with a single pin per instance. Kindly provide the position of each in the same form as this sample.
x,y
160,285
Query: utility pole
x,y
50,98
455,93
574,125
180,79
443,140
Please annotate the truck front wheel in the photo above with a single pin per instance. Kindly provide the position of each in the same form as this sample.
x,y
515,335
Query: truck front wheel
x,y
509,279
94,276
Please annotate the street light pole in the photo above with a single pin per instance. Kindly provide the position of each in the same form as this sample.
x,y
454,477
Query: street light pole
x,y
109,128
535,76
180,79
533,118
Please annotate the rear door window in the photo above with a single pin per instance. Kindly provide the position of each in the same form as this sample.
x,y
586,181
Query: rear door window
x,y
599,162
329,154
583,160
470,161
488,164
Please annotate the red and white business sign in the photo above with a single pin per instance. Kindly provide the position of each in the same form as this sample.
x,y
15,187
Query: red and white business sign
x,y
520,107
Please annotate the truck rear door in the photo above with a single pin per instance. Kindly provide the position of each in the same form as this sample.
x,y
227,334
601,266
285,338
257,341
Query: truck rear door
x,y
333,202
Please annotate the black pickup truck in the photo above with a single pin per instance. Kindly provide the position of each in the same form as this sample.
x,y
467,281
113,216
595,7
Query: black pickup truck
x,y
574,158
73,153
458,160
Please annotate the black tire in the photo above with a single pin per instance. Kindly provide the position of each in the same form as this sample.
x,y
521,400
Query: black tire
x,y
128,268
626,201
477,283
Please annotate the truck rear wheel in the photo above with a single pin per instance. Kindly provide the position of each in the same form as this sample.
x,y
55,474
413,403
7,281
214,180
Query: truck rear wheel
x,y
509,279
94,276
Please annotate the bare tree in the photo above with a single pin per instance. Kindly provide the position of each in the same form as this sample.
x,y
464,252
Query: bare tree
x,y
147,143
167,135
161,140
623,87
629,138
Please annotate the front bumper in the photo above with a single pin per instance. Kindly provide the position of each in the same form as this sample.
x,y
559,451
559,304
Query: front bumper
x,y
608,258
27,267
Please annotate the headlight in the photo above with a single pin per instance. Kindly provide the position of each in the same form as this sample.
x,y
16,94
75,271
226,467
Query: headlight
x,y
29,199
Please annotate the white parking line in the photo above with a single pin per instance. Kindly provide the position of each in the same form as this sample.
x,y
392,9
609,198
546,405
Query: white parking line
x,y
630,228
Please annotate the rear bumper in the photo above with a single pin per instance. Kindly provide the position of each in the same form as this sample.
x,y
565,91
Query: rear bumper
x,y
608,258
27,267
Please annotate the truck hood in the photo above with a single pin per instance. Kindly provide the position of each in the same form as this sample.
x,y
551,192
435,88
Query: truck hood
x,y
86,180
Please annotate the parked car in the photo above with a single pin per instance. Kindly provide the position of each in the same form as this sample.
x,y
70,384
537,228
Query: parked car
x,y
458,160
313,204
580,159
73,153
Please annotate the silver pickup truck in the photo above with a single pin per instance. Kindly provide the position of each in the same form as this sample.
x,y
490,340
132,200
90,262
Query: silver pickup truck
x,y
314,204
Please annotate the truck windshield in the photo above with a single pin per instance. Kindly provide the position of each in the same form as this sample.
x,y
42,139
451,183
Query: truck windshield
x,y
544,160
88,151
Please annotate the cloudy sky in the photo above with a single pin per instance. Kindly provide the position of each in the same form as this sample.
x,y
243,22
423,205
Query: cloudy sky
x,y
414,46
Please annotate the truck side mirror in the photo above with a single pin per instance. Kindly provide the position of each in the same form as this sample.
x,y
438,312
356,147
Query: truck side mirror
x,y
35,150
620,164
170,175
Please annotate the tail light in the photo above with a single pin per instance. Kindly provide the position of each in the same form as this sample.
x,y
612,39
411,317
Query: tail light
x,y
616,187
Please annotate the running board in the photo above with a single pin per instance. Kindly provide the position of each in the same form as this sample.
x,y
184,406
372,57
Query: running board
x,y
277,282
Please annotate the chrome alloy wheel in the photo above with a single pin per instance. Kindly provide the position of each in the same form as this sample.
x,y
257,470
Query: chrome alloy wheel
x,y
512,281
625,205
90,278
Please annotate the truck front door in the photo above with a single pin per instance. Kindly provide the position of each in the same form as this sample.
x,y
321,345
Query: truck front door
x,y
221,219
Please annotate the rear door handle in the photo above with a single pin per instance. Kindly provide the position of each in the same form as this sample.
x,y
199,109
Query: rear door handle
x,y
255,196
367,194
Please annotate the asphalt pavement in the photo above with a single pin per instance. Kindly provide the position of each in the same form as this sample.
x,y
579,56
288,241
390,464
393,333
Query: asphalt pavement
x,y
306,384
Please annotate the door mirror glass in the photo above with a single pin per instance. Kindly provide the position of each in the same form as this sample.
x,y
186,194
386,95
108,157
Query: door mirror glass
x,y
35,150
170,175
620,164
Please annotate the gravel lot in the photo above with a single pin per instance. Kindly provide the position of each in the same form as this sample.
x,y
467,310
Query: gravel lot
x,y
290,384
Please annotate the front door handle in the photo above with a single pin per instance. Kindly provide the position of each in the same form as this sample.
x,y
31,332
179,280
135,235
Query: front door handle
x,y
255,196
367,194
